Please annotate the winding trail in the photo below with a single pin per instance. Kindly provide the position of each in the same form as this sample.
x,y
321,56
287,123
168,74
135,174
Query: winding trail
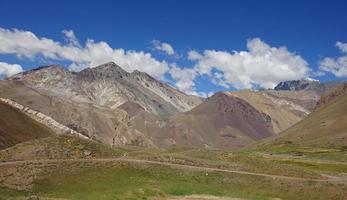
x,y
178,166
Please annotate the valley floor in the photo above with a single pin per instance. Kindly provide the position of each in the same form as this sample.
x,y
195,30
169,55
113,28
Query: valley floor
x,y
179,173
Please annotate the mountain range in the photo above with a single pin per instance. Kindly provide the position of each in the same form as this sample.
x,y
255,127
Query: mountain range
x,y
115,107
326,127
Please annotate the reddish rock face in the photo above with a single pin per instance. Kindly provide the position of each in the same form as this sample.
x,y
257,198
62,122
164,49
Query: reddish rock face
x,y
227,110
221,122
331,96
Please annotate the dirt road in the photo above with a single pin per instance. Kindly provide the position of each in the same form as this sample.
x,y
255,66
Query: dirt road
x,y
178,166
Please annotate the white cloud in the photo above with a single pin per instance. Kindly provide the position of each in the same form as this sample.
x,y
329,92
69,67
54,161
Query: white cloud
x,y
164,47
184,78
336,66
201,94
25,44
342,46
7,69
70,37
262,65
194,55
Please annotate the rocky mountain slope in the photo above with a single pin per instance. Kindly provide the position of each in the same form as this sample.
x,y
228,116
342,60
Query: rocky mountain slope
x,y
16,127
43,119
95,121
325,127
222,121
108,85
87,101
289,102
331,96
285,108
116,107
311,85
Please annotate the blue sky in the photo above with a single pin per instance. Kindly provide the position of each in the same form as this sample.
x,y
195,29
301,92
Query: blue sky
x,y
218,31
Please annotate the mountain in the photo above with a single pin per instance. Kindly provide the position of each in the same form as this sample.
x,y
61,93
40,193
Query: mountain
x,y
16,127
110,86
115,107
289,102
88,101
325,127
329,97
222,121
97,122
313,85
285,108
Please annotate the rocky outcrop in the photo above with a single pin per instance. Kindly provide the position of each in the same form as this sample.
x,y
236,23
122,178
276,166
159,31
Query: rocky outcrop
x,y
44,119
297,85
312,85
284,107
331,96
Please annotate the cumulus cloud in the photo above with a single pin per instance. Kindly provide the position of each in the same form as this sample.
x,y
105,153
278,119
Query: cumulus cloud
x,y
184,78
336,66
71,38
194,55
164,47
262,65
7,69
25,44
342,46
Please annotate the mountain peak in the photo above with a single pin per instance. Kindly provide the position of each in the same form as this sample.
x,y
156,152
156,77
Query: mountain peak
x,y
143,75
108,70
306,84
295,85
49,70
46,68
110,66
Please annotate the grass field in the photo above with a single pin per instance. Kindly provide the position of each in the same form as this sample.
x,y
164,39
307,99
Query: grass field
x,y
129,180
122,180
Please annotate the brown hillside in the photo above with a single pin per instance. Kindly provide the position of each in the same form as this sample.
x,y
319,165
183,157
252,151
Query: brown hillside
x,y
224,110
324,127
331,96
284,107
221,122
16,127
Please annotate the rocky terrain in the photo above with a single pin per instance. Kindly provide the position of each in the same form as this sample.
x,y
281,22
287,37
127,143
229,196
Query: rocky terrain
x,y
185,144
222,121
87,101
110,86
289,102
324,128
115,107
329,97
97,122
285,108
308,85
43,119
